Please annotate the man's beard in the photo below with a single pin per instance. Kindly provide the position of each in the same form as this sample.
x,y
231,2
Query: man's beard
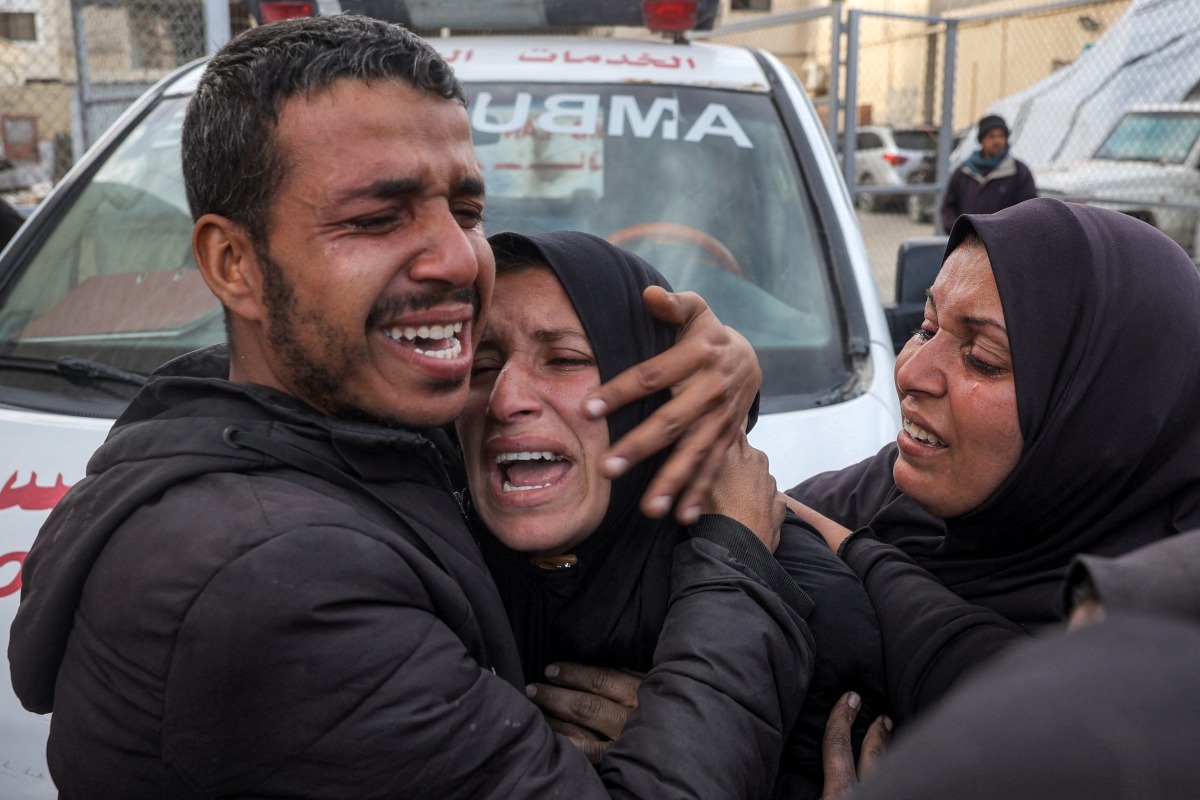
x,y
319,381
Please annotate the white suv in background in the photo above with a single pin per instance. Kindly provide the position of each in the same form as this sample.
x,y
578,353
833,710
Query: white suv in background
x,y
887,156
1147,167
708,160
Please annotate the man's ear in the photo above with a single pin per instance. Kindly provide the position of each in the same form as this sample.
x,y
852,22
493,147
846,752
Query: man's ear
x,y
226,257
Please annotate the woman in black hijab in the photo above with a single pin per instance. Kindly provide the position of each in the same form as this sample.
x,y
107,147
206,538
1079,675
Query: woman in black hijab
x,y
598,595
1100,315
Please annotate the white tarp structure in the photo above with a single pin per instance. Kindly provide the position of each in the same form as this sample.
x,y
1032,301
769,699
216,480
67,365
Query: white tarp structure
x,y
1150,55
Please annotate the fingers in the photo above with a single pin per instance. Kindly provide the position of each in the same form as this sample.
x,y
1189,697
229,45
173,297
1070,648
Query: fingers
x,y
701,347
706,393
675,308
696,468
714,375
745,491
587,742
589,705
691,418
875,744
590,711
616,685
837,752
688,474
592,748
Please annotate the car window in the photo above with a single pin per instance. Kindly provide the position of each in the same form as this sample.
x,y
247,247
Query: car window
x,y
868,141
1166,138
915,140
114,280
702,183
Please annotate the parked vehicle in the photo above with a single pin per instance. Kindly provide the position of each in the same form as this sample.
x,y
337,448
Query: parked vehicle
x,y
922,206
886,156
1148,167
710,161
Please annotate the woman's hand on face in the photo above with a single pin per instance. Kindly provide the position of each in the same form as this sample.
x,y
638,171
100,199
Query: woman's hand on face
x,y
713,375
588,705
834,533
745,490
837,753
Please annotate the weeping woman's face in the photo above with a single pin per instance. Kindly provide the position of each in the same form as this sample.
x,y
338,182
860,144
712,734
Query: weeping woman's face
x,y
532,457
961,436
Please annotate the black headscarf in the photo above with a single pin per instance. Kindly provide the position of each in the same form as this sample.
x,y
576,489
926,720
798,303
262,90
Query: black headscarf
x,y
618,587
1103,318
1107,713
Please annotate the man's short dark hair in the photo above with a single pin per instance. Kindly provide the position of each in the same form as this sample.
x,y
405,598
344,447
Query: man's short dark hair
x,y
232,164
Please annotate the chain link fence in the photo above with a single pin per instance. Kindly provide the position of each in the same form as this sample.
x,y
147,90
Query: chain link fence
x,y
68,68
1065,75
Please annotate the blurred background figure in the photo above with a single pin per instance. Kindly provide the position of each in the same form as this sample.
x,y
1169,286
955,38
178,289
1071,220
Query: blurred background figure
x,y
990,179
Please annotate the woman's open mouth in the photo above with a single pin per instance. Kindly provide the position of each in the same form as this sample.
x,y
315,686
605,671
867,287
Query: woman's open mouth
x,y
921,435
525,470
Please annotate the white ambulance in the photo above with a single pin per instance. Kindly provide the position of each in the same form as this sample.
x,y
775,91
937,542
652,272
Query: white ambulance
x,y
709,161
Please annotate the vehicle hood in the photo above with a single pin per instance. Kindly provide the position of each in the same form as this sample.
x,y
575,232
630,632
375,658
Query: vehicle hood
x,y
1100,175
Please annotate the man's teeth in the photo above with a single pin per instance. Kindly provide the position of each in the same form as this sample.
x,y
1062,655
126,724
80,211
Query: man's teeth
x,y
922,435
451,352
437,333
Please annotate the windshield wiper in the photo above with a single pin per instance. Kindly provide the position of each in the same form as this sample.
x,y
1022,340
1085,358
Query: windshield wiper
x,y
74,367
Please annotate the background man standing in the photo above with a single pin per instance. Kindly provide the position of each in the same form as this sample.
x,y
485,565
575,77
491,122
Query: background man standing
x,y
990,179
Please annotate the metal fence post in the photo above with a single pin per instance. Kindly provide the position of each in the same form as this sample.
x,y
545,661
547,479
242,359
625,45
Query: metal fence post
x,y
851,110
81,135
835,71
216,24
946,131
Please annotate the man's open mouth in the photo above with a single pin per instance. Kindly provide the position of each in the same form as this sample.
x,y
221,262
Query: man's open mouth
x,y
525,470
435,341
